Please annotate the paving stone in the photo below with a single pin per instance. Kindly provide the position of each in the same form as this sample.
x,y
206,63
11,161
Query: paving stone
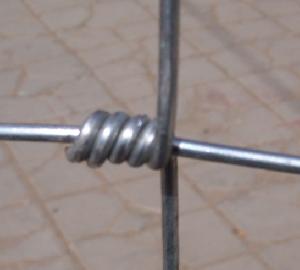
x,y
245,130
197,13
253,30
58,177
138,31
20,221
5,267
21,50
204,239
62,263
12,11
134,87
27,27
132,252
189,199
70,18
40,78
86,213
31,156
221,182
239,80
36,246
274,86
283,255
22,109
110,54
278,89
9,81
120,12
278,52
207,40
239,130
3,154
231,11
291,22
145,194
209,104
49,6
244,262
88,38
119,70
277,7
12,189
144,105
152,7
266,214
198,70
82,94
241,60
134,220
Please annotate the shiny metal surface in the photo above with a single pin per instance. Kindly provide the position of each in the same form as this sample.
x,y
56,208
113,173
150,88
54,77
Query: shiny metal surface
x,y
170,215
237,156
168,73
39,132
139,140
116,137
181,147
166,114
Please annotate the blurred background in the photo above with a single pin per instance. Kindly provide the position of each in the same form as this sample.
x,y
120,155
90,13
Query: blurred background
x,y
239,84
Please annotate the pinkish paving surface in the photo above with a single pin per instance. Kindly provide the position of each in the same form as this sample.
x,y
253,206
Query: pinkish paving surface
x,y
239,84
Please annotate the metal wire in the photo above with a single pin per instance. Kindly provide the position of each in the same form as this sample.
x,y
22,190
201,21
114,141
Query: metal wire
x,y
168,72
166,114
115,137
170,215
139,140
237,156
180,147
39,132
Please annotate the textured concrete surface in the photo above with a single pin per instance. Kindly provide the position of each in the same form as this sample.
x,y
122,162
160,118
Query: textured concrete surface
x,y
239,84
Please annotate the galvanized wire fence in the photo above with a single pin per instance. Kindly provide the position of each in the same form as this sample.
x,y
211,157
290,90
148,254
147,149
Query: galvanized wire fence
x,y
140,140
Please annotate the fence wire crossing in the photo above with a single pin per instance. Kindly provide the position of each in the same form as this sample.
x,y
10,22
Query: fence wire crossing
x,y
139,140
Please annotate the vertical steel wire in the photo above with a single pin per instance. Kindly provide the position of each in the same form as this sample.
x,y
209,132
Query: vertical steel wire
x,y
166,114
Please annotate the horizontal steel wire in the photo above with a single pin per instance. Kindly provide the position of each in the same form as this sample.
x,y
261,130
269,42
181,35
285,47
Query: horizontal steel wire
x,y
181,147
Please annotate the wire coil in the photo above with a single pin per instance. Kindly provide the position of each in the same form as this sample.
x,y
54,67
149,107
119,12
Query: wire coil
x,y
116,137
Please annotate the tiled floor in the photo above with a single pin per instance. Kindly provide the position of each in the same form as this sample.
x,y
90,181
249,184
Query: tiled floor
x,y
239,83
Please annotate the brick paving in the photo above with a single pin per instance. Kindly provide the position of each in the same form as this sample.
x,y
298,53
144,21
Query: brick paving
x,y
239,84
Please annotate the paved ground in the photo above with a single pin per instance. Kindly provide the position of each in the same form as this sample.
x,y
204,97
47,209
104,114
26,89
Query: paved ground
x,y
239,84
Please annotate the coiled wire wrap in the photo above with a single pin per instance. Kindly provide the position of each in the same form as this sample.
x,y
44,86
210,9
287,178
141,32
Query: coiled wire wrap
x,y
116,137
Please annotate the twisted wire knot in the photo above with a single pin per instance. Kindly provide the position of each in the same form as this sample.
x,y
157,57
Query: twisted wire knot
x,y
116,137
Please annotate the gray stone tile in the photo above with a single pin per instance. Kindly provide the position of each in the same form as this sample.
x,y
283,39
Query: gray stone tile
x,y
283,255
266,214
205,238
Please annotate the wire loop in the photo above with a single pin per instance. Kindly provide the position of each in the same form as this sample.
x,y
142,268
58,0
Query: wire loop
x,y
115,137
